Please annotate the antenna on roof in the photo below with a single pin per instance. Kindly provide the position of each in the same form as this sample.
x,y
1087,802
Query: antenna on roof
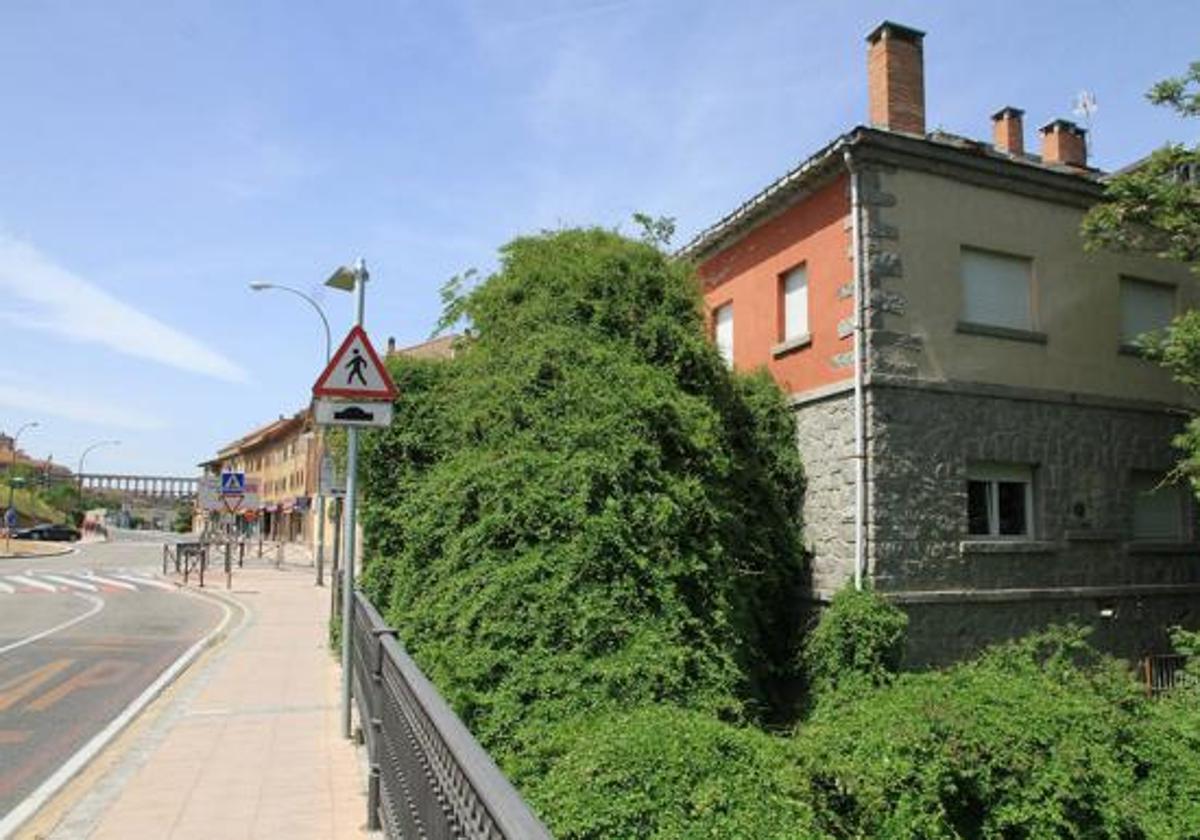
x,y
1084,107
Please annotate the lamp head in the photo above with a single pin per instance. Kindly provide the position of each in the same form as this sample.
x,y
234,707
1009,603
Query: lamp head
x,y
259,285
344,278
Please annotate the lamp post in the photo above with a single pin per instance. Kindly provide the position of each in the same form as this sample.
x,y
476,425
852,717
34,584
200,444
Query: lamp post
x,y
260,286
84,454
9,513
349,278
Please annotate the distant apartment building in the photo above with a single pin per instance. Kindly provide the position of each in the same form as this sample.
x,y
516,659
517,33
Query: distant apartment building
x,y
281,460
982,441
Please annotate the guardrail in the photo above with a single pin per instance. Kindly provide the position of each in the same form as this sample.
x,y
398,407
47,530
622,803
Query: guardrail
x,y
1162,673
429,777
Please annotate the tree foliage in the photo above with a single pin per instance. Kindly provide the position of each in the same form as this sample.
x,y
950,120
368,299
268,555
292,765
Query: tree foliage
x,y
584,511
856,646
1154,207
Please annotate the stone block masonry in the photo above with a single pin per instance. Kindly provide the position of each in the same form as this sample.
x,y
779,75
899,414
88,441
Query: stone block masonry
x,y
825,438
964,593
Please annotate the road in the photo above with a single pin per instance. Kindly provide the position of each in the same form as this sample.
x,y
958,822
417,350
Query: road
x,y
82,636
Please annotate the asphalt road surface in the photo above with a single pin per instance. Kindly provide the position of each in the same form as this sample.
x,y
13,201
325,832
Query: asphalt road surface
x,y
81,636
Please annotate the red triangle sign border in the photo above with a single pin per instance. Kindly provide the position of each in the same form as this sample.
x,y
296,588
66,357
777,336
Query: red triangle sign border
x,y
321,389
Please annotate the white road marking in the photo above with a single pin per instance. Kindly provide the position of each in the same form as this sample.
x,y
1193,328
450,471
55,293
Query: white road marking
x,y
6,589
97,605
147,582
36,584
26,808
66,581
103,581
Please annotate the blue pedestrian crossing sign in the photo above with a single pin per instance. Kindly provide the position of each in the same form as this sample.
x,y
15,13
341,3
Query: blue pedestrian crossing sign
x,y
233,484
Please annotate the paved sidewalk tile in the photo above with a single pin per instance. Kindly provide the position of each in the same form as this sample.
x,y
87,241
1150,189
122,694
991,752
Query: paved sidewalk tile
x,y
257,753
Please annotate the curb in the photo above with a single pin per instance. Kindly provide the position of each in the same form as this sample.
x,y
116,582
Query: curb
x,y
27,808
60,553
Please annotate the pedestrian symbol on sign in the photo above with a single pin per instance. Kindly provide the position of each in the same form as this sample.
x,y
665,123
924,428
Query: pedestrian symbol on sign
x,y
355,366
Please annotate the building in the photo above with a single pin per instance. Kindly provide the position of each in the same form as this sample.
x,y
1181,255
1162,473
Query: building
x,y
982,442
281,460
44,468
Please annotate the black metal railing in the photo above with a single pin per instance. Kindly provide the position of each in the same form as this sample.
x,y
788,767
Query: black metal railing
x,y
1162,673
429,777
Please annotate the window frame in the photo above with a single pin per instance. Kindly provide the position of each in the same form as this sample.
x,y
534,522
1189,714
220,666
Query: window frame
x,y
1032,326
726,305
785,337
994,473
1182,530
1129,345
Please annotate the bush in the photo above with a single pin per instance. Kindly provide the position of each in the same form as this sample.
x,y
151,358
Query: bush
x,y
657,773
1032,739
856,645
584,511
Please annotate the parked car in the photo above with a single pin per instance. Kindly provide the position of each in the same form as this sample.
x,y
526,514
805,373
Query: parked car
x,y
49,532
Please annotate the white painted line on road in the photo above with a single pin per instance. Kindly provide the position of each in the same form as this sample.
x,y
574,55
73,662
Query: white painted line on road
x,y
36,584
103,581
66,581
6,589
29,806
145,581
97,605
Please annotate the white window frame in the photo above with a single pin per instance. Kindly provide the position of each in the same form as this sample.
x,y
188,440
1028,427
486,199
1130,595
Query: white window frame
x,y
725,348
975,314
1127,282
794,303
992,474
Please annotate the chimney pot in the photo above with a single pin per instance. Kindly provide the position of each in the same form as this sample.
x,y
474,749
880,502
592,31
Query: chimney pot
x,y
1008,130
1064,143
896,78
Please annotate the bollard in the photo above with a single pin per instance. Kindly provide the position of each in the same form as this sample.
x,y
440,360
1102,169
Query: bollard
x,y
203,563
228,565
187,564
279,555
241,552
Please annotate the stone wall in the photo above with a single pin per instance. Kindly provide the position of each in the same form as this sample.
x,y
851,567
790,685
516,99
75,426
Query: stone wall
x,y
825,438
920,444
1130,627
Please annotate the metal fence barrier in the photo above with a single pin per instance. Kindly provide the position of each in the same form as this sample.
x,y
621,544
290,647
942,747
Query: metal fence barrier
x,y
1163,672
429,777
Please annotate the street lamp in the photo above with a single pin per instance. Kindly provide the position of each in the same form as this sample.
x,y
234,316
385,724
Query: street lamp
x,y
84,454
350,278
260,286
10,513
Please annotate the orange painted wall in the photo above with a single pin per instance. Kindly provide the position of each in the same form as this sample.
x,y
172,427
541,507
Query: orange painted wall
x,y
813,232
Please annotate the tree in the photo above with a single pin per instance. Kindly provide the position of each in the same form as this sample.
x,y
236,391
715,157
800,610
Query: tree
x,y
1154,207
584,512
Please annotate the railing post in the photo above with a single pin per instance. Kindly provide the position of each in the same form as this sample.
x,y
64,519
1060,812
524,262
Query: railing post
x,y
376,690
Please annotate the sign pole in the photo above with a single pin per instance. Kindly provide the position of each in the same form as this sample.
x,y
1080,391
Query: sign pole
x,y
360,287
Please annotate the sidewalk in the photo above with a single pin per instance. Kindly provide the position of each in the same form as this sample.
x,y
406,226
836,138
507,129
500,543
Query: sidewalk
x,y
252,746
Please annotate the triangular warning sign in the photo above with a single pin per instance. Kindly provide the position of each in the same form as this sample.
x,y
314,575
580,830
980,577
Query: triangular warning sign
x,y
355,372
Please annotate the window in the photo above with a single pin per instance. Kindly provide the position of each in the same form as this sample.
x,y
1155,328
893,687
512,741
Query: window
x,y
1000,500
793,288
997,289
723,331
1145,307
1158,508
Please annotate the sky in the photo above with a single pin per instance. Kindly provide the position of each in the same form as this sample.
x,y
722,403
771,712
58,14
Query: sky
x,y
158,157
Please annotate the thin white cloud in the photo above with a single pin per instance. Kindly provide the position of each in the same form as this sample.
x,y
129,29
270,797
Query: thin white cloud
x,y
103,412
42,295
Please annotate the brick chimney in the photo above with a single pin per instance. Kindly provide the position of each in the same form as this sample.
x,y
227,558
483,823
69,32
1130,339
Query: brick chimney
x,y
1008,130
1065,143
896,78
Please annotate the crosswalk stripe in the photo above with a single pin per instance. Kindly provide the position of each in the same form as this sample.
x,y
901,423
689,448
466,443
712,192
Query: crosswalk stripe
x,y
36,584
6,589
143,581
103,581
66,581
